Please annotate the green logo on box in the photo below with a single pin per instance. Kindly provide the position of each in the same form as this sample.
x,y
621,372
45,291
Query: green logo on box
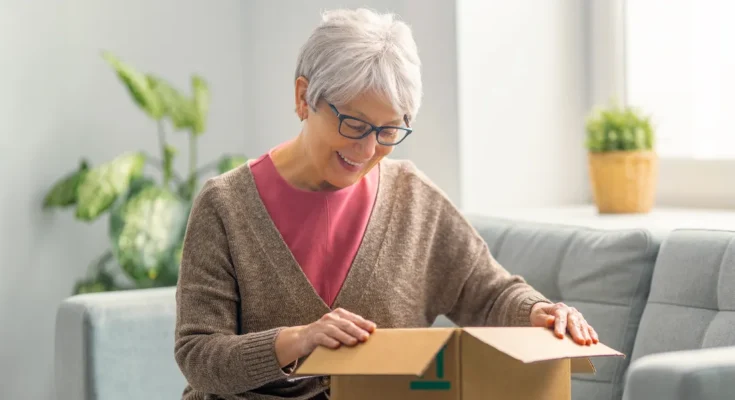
x,y
439,383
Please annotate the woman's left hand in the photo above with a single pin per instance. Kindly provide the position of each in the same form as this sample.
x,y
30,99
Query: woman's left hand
x,y
563,318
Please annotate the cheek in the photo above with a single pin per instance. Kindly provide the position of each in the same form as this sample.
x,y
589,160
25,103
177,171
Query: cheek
x,y
323,139
382,151
330,138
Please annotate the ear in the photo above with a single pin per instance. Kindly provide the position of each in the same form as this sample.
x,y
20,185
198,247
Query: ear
x,y
302,107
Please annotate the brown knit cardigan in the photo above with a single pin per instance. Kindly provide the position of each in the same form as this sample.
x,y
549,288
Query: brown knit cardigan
x,y
239,284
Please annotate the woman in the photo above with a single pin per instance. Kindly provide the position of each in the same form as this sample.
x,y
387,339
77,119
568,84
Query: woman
x,y
322,240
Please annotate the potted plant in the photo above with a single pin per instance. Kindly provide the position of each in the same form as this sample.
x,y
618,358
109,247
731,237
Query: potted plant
x,y
147,216
623,165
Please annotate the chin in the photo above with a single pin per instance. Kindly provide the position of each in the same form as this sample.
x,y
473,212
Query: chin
x,y
341,180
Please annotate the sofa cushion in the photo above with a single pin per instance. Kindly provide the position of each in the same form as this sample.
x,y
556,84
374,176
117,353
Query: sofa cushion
x,y
692,299
603,273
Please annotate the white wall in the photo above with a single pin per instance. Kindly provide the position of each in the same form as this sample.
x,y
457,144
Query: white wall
x,y
278,33
521,86
522,101
59,101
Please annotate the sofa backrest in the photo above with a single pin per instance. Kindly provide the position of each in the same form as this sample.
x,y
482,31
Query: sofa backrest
x,y
606,274
117,345
692,299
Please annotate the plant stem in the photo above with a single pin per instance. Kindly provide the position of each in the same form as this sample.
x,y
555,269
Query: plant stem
x,y
164,156
162,145
192,164
160,165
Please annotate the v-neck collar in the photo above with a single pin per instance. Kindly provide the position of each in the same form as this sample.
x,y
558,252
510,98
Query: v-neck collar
x,y
290,273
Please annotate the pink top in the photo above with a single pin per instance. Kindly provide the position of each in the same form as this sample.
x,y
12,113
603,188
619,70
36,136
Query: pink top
x,y
323,230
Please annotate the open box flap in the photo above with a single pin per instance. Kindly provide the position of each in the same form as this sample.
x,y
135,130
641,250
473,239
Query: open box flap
x,y
582,365
386,352
540,344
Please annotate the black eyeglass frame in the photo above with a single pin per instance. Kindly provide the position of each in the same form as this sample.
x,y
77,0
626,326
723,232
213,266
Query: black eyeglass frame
x,y
372,129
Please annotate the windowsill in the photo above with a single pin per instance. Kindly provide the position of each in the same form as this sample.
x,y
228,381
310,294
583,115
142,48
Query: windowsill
x,y
659,220
695,159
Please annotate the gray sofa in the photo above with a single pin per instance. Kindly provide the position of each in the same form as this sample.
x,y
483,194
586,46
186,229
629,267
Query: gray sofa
x,y
667,301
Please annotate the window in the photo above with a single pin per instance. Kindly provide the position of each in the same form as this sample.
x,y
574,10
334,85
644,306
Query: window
x,y
680,69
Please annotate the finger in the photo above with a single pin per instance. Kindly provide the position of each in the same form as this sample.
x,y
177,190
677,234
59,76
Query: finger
x,y
561,322
593,334
358,320
586,331
353,330
330,317
338,334
575,328
578,322
368,326
323,339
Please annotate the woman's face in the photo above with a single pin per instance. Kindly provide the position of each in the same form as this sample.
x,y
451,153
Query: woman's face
x,y
338,160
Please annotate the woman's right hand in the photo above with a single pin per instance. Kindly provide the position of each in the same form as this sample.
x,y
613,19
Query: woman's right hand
x,y
334,329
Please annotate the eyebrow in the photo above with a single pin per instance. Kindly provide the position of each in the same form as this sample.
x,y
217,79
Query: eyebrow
x,y
365,117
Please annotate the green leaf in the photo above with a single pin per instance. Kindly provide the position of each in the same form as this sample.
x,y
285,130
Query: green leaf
x,y
146,230
617,128
175,105
64,192
201,104
227,163
138,86
100,280
102,185
91,286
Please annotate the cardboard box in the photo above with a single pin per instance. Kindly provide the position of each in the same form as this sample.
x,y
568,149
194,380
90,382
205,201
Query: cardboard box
x,y
454,364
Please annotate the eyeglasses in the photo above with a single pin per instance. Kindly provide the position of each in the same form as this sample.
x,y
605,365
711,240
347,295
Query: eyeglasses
x,y
355,128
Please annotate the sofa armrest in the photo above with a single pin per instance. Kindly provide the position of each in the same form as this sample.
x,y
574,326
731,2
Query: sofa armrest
x,y
117,345
705,374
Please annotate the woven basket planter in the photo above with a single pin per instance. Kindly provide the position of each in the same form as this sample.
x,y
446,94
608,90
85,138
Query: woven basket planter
x,y
623,181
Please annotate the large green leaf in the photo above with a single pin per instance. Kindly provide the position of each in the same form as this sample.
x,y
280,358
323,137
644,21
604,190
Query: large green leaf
x,y
229,162
177,106
201,104
146,230
102,185
138,86
64,192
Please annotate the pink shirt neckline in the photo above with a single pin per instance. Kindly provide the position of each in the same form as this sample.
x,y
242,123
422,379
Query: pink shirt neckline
x,y
322,229
305,192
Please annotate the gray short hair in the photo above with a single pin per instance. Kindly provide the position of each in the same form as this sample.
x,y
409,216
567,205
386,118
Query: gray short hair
x,y
354,51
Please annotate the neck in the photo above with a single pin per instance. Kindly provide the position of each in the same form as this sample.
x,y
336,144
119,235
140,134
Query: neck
x,y
294,163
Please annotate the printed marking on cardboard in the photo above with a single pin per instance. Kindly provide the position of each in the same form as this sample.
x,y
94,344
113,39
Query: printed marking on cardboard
x,y
438,384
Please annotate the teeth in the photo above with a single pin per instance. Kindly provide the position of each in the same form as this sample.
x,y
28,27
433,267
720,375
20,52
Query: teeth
x,y
348,161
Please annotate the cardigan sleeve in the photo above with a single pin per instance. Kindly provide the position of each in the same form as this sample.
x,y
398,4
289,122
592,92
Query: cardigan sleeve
x,y
473,288
491,296
463,280
211,354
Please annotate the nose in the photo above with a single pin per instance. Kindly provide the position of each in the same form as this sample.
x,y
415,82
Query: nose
x,y
367,146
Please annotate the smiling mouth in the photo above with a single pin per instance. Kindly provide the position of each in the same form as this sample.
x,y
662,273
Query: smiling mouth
x,y
348,161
